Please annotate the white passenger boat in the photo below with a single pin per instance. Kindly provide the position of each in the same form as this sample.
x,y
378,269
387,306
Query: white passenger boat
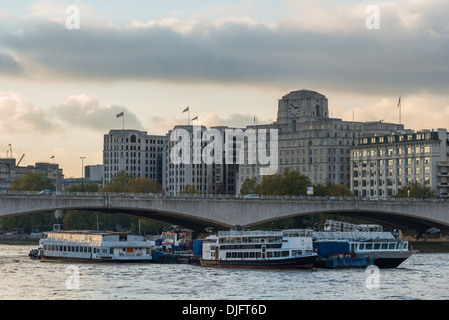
x,y
93,246
361,241
259,249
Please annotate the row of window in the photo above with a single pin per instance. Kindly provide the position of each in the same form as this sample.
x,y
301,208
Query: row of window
x,y
391,172
397,138
392,151
87,249
254,239
390,162
66,248
256,255
379,246
133,139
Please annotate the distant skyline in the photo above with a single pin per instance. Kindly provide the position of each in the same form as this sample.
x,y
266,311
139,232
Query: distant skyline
x,y
228,61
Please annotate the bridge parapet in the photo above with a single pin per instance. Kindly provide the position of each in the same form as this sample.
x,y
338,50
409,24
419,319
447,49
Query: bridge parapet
x,y
225,212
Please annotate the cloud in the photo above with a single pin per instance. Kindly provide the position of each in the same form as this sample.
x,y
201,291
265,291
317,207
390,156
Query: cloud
x,y
82,111
315,44
235,120
19,116
418,111
87,112
9,65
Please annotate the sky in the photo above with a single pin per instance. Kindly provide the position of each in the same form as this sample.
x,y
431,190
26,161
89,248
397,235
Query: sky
x,y
63,82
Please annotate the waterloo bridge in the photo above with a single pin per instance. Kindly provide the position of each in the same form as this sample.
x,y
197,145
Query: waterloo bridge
x,y
227,212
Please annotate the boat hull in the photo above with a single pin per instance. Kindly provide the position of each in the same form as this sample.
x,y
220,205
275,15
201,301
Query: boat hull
x,y
303,262
388,259
337,263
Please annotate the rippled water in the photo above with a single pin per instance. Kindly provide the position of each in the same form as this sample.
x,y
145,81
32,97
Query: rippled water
x,y
423,276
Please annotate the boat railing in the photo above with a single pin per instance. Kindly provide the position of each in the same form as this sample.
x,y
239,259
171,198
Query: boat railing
x,y
248,233
354,235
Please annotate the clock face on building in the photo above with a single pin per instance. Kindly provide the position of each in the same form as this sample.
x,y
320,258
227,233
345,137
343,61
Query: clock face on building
x,y
294,107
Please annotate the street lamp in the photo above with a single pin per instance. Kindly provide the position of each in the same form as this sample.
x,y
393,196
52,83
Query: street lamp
x,y
82,173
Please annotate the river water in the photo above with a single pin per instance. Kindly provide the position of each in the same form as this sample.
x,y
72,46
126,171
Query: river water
x,y
423,276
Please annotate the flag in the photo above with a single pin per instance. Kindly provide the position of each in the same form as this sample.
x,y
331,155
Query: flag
x,y
196,118
119,115
399,102
186,109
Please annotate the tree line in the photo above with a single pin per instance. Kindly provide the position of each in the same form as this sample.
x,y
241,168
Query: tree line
x,y
289,182
293,183
83,219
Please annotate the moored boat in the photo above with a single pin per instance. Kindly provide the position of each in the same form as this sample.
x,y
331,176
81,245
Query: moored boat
x,y
259,249
360,242
96,246
176,247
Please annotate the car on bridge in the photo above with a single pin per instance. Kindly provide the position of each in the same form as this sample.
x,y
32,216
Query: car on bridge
x,y
252,196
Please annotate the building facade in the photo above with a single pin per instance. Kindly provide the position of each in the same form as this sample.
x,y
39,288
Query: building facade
x,y
218,177
313,143
10,171
382,164
134,152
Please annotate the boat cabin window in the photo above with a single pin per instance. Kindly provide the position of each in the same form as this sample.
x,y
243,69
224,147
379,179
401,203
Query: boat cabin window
x,y
392,246
297,233
384,246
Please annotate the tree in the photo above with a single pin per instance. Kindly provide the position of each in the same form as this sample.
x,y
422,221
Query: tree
x,y
416,190
338,190
143,185
86,187
32,182
189,189
118,184
126,183
250,186
123,183
289,182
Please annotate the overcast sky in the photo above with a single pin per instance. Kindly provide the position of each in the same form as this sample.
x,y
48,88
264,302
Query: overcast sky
x,y
61,88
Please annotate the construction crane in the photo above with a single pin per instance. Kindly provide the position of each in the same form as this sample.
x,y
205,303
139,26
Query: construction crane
x,y
23,155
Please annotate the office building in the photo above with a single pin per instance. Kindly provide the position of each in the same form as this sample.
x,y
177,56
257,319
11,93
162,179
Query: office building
x,y
134,152
382,164
313,143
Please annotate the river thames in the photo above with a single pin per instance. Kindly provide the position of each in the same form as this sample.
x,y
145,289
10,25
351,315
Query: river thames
x,y
423,276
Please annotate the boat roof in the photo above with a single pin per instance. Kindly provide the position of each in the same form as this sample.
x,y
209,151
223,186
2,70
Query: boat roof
x,y
87,232
234,233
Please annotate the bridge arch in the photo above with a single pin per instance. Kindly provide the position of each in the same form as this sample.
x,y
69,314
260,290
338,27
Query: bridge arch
x,y
225,213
